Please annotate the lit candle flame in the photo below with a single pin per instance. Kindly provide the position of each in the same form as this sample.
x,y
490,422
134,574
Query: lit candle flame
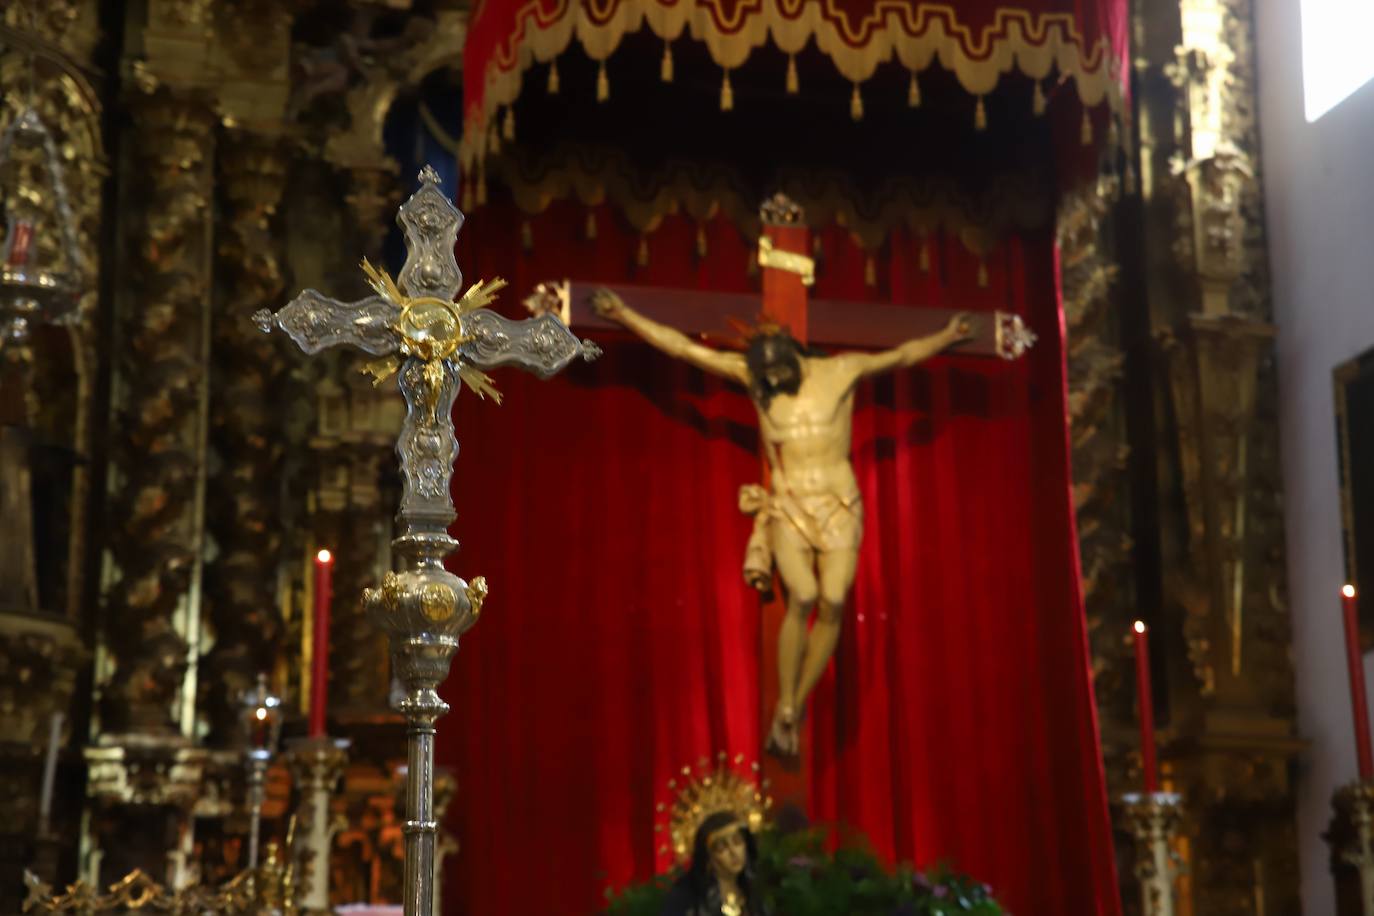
x,y
1348,590
261,713
1140,626
324,556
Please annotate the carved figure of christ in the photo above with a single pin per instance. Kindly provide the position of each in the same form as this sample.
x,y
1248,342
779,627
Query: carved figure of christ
x,y
812,511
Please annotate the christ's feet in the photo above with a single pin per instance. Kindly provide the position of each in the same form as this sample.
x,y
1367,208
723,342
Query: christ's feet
x,y
784,738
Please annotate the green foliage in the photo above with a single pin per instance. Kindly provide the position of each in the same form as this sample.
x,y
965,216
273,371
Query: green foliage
x,y
798,876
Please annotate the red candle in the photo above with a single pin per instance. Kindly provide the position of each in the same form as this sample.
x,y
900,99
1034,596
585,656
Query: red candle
x,y
1147,708
20,238
1355,659
319,660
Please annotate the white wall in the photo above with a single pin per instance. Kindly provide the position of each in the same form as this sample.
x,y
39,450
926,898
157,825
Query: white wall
x,y
1319,190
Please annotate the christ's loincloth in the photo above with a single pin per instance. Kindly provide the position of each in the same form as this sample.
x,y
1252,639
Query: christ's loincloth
x,y
824,522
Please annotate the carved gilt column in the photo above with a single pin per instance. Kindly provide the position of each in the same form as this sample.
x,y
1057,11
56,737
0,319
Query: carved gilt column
x,y
1224,620
145,770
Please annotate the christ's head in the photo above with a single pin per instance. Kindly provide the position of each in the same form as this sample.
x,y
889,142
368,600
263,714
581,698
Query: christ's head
x,y
774,361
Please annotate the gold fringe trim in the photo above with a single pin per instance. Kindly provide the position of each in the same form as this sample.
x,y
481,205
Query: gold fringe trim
x,y
642,254
593,177
508,126
665,66
870,271
1038,100
856,104
494,140
591,226
793,81
702,247
917,36
727,94
553,77
913,92
603,83
980,116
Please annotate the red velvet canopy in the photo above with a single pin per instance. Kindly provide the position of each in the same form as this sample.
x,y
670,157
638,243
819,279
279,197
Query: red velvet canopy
x,y
1082,41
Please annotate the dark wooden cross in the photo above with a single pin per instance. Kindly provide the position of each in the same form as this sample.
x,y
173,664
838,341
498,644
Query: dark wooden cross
x,y
788,273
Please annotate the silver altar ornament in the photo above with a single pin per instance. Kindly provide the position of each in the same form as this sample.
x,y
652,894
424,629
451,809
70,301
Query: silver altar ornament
x,y
261,715
31,293
433,341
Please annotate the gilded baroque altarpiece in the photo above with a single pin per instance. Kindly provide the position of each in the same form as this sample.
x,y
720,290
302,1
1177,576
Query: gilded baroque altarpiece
x,y
218,154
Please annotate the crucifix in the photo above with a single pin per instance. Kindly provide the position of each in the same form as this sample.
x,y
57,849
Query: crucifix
x,y
433,343
809,513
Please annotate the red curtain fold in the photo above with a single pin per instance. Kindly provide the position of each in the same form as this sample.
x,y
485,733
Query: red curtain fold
x,y
621,643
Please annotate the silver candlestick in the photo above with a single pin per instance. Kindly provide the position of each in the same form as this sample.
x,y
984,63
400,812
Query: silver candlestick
x,y
1153,819
261,715
1352,836
316,766
434,344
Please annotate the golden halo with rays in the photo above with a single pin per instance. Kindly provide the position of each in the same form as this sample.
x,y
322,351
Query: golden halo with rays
x,y
703,790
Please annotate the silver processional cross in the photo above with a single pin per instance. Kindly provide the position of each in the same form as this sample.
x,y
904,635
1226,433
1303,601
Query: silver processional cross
x,y
434,343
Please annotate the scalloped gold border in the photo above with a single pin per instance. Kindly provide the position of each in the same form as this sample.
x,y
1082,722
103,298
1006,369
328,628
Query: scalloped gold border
x,y
917,36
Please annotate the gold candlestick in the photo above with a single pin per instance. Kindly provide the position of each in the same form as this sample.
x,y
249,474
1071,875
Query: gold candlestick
x,y
1153,819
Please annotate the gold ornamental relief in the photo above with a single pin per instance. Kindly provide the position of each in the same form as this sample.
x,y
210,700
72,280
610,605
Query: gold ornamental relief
x,y
437,601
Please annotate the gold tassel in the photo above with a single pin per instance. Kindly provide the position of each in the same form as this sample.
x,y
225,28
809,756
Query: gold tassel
x,y
467,195
1086,131
642,255
856,104
603,84
665,67
494,140
727,94
508,126
870,271
701,240
526,236
1038,100
980,116
793,81
982,275
553,77
925,257
913,92
591,226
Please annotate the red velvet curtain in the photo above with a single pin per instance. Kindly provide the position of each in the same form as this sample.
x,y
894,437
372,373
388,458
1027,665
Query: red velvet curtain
x,y
621,643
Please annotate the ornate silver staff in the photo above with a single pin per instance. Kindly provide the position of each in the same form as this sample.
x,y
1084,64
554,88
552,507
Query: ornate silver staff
x,y
434,343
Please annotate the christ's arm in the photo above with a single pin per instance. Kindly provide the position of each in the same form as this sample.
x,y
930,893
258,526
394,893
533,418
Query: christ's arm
x,y
906,355
670,340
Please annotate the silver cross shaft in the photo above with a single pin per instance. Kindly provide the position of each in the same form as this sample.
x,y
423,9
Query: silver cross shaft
x,y
425,608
